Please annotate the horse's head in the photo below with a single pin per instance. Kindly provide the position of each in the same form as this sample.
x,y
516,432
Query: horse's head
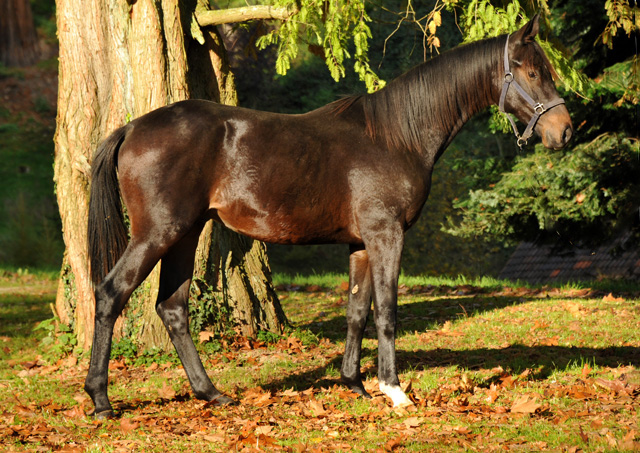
x,y
529,90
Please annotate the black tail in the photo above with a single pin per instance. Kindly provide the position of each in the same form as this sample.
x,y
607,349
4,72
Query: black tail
x,y
107,231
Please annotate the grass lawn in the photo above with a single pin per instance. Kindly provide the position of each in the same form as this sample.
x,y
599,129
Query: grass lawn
x,y
489,366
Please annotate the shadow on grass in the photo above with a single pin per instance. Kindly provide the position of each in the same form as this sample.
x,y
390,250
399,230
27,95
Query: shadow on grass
x,y
429,315
418,316
515,358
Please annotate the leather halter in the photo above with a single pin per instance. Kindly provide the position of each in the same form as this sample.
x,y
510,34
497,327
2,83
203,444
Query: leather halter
x,y
538,107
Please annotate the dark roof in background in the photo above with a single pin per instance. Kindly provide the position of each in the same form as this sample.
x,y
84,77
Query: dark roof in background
x,y
536,263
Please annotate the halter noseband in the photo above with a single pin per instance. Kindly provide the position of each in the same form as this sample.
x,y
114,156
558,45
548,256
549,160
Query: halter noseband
x,y
538,107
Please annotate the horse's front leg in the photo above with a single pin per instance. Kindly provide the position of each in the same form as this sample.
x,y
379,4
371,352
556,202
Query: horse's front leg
x,y
357,312
385,251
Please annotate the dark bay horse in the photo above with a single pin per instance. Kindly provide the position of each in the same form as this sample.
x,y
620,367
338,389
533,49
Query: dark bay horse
x,y
356,171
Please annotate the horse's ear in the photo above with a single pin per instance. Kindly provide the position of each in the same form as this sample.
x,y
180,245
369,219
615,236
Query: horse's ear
x,y
528,32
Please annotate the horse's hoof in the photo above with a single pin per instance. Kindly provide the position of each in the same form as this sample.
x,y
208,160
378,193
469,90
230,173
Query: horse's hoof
x,y
361,391
221,400
104,415
357,387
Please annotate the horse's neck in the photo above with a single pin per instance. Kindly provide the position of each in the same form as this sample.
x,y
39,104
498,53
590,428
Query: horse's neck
x,y
422,110
474,91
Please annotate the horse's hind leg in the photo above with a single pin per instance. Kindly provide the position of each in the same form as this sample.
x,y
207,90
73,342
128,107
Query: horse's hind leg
x,y
172,307
111,296
357,312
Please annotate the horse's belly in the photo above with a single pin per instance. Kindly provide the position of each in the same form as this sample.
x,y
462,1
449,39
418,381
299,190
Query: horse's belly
x,y
294,228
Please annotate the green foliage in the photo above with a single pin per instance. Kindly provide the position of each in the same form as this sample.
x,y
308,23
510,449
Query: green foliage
x,y
31,235
571,78
268,337
331,25
44,15
591,190
428,250
306,337
622,16
59,339
125,348
483,20
30,228
204,310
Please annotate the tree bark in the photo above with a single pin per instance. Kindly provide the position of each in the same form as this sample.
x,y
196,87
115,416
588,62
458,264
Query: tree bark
x,y
18,38
119,61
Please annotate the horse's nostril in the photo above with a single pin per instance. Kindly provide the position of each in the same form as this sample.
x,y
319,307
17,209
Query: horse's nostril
x,y
566,135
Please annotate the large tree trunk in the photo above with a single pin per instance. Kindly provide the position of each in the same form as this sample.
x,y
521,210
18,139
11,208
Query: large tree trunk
x,y
117,62
18,38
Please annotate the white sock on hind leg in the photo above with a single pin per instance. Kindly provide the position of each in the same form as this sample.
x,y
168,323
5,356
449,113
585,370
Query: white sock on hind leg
x,y
396,394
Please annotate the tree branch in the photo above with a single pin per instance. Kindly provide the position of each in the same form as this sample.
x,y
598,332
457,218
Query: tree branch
x,y
243,14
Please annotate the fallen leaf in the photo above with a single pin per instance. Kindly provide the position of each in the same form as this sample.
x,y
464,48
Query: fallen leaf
x,y
74,412
219,438
413,422
583,436
539,325
617,386
265,441
492,394
167,392
205,336
24,411
264,429
29,365
553,341
317,408
394,443
70,361
291,393
524,405
507,381
128,424
610,298
117,365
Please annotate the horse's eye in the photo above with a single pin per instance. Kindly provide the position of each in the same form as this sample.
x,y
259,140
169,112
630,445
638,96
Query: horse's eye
x,y
532,75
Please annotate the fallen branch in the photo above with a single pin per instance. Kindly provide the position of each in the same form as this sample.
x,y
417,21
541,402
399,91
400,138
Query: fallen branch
x,y
234,15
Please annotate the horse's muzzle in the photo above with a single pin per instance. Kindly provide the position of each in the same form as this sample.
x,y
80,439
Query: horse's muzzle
x,y
558,141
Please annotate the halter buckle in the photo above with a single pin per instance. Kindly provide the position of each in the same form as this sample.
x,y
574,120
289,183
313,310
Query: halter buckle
x,y
522,142
508,77
539,108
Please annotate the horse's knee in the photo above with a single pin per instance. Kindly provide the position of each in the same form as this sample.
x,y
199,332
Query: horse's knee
x,y
175,318
386,326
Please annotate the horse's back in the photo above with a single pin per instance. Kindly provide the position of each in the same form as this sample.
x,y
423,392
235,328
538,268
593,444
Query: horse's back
x,y
274,177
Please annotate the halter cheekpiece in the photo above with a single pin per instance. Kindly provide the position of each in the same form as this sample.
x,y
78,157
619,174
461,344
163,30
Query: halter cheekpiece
x,y
538,107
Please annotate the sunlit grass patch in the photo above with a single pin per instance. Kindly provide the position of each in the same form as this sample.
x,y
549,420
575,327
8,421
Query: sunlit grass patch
x,y
489,368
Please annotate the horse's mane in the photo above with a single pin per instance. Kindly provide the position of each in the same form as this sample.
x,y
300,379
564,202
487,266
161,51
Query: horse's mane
x,y
437,94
